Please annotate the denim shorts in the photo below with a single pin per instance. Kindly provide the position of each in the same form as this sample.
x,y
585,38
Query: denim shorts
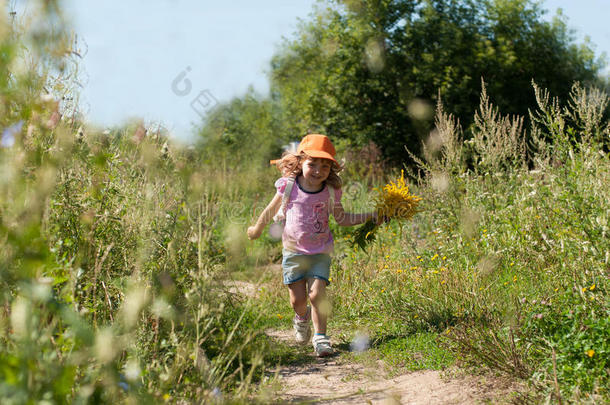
x,y
298,266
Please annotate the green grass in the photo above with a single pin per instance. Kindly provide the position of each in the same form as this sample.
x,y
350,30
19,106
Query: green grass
x,y
505,270
507,266
418,351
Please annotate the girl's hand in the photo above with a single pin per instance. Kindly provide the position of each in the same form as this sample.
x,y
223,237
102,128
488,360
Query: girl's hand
x,y
254,232
265,217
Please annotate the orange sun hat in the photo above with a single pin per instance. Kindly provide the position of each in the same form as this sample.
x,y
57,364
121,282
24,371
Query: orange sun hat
x,y
316,146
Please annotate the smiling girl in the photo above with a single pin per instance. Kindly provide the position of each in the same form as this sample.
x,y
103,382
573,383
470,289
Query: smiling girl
x,y
307,194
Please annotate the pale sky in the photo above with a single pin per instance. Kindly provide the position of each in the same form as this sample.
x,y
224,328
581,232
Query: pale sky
x,y
137,49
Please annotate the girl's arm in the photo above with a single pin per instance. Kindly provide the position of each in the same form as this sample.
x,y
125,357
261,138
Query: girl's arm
x,y
350,219
265,217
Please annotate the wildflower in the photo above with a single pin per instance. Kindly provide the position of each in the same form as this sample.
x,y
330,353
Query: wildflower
x,y
592,287
443,282
393,202
434,257
538,316
584,289
590,353
280,316
330,279
444,257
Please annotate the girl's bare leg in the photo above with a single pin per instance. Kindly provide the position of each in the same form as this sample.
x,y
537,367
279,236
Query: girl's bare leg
x,y
320,307
298,297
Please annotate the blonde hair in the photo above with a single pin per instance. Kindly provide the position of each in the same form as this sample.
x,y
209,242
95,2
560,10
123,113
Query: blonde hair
x,y
291,165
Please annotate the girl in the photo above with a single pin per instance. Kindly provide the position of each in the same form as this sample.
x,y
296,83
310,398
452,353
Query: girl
x,y
307,240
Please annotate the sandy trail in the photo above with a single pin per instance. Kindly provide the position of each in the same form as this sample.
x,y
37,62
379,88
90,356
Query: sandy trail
x,y
336,380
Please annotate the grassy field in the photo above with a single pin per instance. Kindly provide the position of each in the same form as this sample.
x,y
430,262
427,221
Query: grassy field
x,y
116,252
118,248
506,266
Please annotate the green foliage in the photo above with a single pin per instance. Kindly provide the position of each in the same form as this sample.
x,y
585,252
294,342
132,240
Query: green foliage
x,y
244,131
370,71
117,249
364,235
111,269
110,252
577,331
508,265
418,351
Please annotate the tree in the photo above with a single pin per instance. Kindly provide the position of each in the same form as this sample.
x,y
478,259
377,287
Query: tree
x,y
243,130
371,70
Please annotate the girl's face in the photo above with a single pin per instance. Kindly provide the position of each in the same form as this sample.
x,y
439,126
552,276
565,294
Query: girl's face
x,y
315,172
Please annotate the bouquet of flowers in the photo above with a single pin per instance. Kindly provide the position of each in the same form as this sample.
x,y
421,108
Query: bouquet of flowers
x,y
393,201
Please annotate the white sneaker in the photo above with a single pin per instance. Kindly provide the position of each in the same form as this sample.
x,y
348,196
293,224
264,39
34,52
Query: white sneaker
x,y
302,329
321,344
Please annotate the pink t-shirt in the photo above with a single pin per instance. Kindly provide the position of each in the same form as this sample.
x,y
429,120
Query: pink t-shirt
x,y
306,230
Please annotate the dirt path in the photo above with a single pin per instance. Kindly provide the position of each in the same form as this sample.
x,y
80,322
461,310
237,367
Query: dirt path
x,y
336,380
